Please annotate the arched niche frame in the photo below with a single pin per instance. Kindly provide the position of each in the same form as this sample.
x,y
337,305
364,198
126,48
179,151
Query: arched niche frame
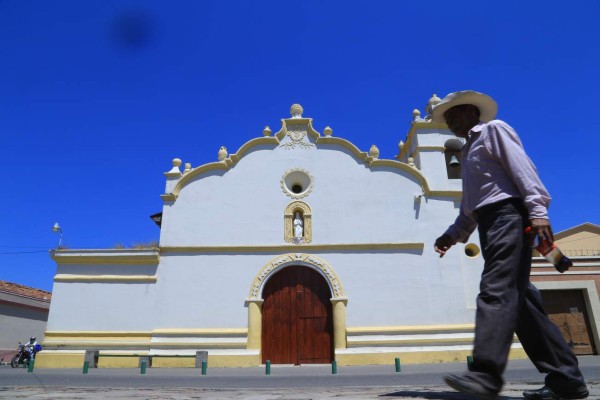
x,y
288,227
255,301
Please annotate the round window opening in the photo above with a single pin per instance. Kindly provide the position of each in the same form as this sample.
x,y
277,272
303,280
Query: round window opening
x,y
472,250
297,188
296,183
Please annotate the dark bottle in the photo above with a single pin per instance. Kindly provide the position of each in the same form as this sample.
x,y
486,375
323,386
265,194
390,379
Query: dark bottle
x,y
550,252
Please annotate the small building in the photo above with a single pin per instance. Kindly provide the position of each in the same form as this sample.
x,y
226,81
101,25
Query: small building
x,y
571,299
299,248
23,313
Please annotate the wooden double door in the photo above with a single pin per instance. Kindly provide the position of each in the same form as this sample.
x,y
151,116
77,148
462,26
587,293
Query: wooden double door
x,y
297,320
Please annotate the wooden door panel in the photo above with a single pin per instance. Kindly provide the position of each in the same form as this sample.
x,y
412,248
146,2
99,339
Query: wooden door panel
x,y
297,318
567,309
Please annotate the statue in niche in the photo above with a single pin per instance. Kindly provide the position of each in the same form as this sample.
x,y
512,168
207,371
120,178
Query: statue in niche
x,y
298,228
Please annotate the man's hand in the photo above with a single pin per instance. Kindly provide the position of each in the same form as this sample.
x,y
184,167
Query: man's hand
x,y
541,227
442,244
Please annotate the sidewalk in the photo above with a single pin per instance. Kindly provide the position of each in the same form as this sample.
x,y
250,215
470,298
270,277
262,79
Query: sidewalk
x,y
430,392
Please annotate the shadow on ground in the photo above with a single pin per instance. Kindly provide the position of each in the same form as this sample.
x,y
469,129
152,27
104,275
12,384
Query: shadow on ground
x,y
412,394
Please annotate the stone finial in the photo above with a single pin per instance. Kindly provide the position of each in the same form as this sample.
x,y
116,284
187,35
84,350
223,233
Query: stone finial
x,y
327,131
374,151
411,162
222,153
176,165
188,167
296,110
400,145
267,131
433,101
416,114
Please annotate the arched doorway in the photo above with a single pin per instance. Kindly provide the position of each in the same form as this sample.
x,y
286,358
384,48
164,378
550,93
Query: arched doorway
x,y
297,322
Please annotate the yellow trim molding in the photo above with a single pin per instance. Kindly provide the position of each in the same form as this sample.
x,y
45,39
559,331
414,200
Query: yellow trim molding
x,y
106,278
54,359
411,133
202,332
305,124
281,248
106,256
417,357
103,334
411,329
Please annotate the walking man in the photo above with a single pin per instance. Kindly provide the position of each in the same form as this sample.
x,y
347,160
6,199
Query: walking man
x,y
502,195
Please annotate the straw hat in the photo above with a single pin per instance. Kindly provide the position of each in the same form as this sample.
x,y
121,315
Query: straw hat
x,y
487,106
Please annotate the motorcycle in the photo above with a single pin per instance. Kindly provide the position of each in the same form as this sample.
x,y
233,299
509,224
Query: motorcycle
x,y
21,358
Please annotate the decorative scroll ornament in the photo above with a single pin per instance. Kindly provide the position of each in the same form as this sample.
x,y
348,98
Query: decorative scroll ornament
x,y
297,139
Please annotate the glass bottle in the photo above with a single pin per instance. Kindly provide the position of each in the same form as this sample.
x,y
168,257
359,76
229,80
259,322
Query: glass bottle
x,y
550,252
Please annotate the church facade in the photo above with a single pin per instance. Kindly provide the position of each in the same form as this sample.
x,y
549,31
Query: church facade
x,y
299,248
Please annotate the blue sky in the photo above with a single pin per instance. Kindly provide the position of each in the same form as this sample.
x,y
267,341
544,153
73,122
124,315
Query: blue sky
x,y
97,97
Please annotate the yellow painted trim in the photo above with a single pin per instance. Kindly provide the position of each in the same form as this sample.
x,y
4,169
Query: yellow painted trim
x,y
411,329
54,359
405,167
361,156
199,345
214,361
420,149
106,256
119,362
168,197
246,147
434,148
254,324
226,164
76,344
444,193
174,362
285,248
103,334
234,361
410,342
214,166
411,134
201,332
339,323
420,357
220,332
105,278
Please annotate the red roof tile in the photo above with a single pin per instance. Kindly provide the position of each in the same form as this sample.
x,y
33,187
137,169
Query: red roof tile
x,y
25,291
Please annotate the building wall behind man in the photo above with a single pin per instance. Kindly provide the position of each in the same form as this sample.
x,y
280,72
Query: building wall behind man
x,y
19,323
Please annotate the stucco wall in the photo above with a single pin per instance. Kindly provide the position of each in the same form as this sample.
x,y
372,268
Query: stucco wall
x,y
19,324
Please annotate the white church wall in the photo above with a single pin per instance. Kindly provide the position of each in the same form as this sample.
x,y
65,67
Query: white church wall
x,y
245,204
101,306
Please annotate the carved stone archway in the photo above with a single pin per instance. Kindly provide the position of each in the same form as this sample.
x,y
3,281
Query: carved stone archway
x,y
254,301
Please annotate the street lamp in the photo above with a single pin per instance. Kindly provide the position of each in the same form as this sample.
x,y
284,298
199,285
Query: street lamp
x,y
57,228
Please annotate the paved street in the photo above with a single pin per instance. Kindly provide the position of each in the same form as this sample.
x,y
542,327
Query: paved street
x,y
284,382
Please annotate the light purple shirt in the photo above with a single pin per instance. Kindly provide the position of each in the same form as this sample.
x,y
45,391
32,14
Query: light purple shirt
x,y
495,167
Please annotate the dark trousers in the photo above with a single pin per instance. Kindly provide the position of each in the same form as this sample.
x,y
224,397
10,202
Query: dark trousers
x,y
508,303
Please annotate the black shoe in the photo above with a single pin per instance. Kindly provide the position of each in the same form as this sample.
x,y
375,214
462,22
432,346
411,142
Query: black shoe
x,y
469,386
546,393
